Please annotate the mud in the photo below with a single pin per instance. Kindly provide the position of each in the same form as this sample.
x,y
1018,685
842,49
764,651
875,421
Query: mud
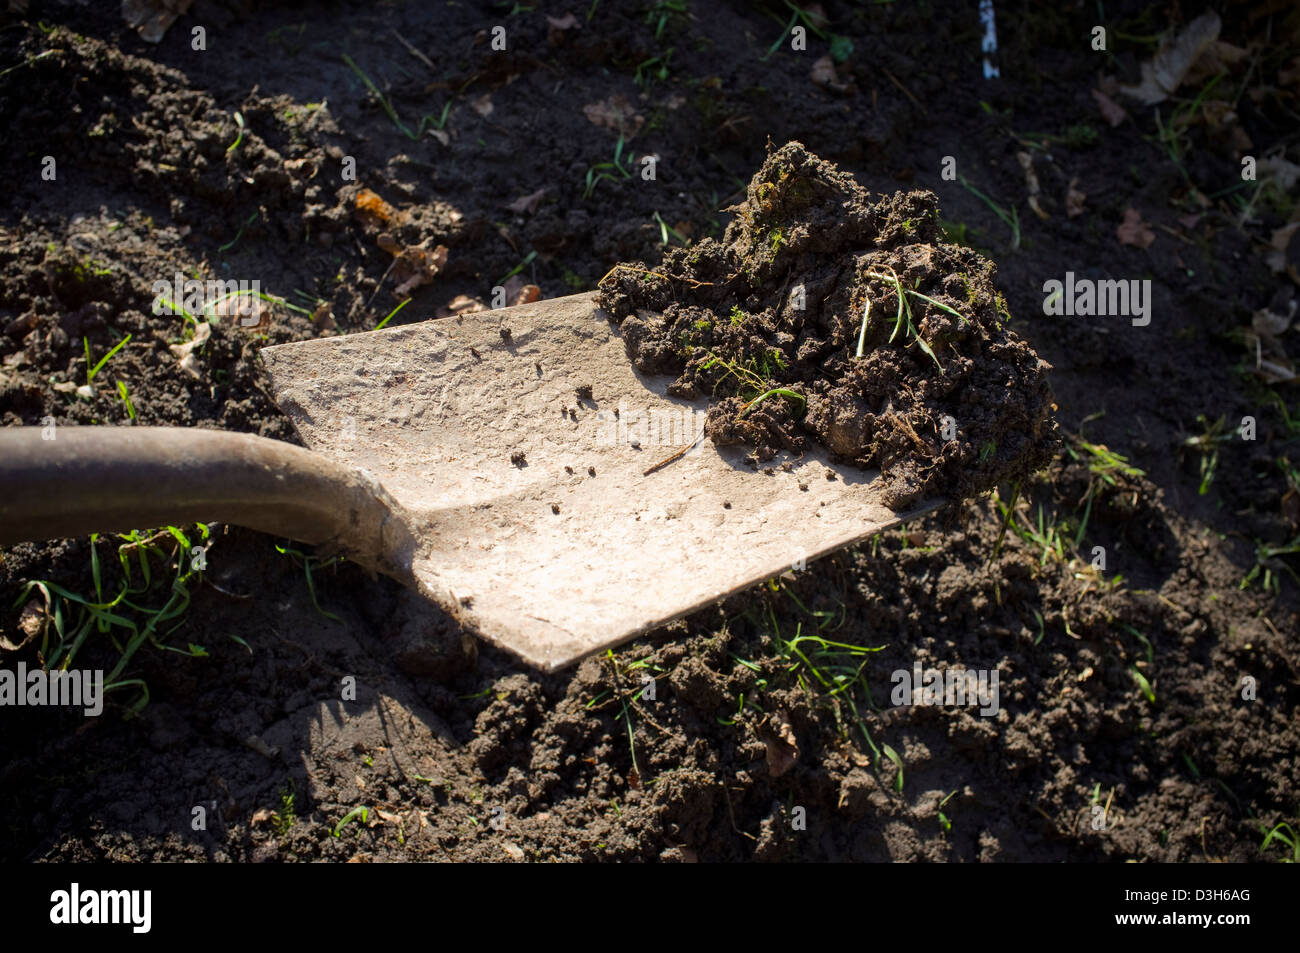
x,y
443,731
824,314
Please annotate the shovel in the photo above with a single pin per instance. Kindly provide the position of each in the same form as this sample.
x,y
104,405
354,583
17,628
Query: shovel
x,y
511,466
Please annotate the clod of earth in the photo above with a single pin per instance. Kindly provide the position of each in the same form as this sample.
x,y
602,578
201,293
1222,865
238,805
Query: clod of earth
x,y
822,314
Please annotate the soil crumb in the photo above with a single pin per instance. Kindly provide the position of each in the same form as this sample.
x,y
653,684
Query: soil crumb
x,y
824,315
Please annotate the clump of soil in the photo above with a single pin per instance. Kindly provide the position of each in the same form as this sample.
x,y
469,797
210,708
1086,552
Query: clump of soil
x,y
936,392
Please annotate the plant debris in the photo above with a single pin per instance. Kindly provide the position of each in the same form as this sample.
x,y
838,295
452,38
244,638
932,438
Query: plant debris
x,y
823,314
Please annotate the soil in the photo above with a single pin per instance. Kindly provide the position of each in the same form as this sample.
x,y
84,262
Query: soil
x,y
780,308
1141,613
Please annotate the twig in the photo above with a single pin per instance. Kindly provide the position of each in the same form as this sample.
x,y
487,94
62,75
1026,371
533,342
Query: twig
x,y
374,293
676,456
414,52
727,793
906,92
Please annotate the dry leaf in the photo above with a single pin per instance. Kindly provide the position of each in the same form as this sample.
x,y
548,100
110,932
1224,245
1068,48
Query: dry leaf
x,y
31,622
1074,199
263,815
1134,231
1284,173
1165,72
483,105
153,18
244,311
1111,111
1271,324
1031,183
824,74
616,114
418,265
184,353
1218,57
519,291
462,304
1278,245
782,748
527,203
1266,327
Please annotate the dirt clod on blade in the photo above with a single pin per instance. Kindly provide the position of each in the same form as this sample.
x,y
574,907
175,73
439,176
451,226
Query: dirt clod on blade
x,y
936,392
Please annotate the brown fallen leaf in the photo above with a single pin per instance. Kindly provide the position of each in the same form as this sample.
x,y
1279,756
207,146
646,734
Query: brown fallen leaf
x,y
1074,199
1111,111
528,203
462,304
615,114
1276,259
31,622
824,74
519,291
263,815
1134,231
418,265
246,311
1263,339
1217,57
782,748
1269,323
153,18
1166,70
1026,161
1281,171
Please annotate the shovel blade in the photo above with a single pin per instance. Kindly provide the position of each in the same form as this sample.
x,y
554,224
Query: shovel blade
x,y
572,547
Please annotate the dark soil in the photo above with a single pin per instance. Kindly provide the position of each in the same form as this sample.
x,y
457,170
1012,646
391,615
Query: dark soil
x,y
777,309
1176,563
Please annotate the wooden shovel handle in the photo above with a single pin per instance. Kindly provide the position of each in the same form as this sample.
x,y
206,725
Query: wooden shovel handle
x,y
115,479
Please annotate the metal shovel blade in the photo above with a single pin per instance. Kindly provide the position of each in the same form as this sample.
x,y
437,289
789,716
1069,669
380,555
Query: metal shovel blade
x,y
539,556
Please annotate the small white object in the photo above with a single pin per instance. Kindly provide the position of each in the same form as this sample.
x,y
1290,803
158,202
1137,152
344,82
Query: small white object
x,y
990,42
